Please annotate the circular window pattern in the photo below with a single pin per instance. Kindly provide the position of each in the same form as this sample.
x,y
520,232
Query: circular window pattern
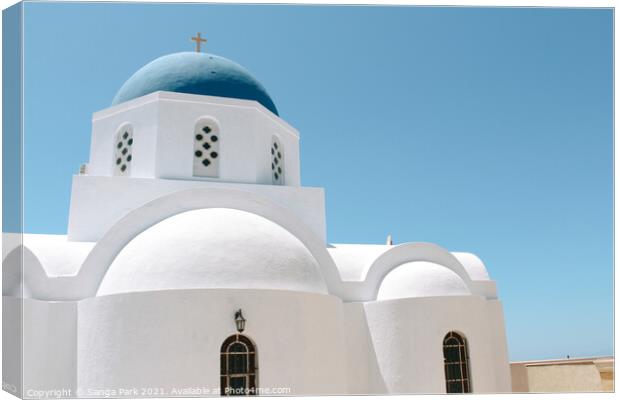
x,y
122,156
276,163
206,150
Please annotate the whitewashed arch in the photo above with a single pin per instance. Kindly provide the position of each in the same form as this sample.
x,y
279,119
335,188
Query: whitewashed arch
x,y
368,289
23,274
86,282
136,221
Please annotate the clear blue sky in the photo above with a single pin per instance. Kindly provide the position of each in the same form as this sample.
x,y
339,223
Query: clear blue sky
x,y
482,130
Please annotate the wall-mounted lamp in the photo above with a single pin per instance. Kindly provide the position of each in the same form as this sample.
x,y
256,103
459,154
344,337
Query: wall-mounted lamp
x,y
239,320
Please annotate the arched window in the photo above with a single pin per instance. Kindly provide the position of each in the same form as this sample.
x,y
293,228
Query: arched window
x,y
238,365
277,162
123,145
456,364
206,149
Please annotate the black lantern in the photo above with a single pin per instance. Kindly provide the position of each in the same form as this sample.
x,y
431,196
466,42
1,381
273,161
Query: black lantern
x,y
239,320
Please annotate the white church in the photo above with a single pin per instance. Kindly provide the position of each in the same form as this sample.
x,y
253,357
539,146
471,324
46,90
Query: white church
x,y
196,264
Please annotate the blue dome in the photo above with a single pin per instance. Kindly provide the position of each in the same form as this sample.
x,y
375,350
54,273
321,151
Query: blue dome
x,y
195,73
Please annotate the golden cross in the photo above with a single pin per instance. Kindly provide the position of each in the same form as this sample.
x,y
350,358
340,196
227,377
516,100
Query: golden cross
x,y
198,40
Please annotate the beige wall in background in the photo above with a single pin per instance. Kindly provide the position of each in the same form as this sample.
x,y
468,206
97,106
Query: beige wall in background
x,y
569,375
606,368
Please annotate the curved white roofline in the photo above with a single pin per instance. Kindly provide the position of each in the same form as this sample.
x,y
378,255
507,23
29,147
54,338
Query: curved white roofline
x,y
408,252
42,283
474,266
421,279
214,248
18,282
87,280
367,288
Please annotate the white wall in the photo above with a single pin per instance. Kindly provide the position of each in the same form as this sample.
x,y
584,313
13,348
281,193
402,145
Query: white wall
x,y
142,116
497,328
172,339
98,202
311,343
262,148
407,337
363,372
49,352
12,344
163,125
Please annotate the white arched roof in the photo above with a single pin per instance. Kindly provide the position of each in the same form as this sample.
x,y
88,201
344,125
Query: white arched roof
x,y
421,279
64,270
364,267
473,265
32,261
87,267
214,248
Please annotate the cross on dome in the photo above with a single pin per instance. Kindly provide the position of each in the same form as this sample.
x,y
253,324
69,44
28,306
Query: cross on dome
x,y
198,39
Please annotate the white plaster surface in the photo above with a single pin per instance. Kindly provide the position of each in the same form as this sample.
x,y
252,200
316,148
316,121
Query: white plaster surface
x,y
123,342
22,274
407,337
364,375
45,285
310,343
58,256
421,279
353,260
100,258
98,202
163,128
49,350
213,248
474,266
12,345
9,242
